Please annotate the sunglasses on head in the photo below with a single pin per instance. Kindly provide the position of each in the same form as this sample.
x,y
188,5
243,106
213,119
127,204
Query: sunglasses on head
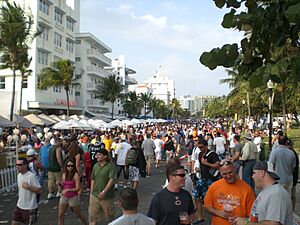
x,y
225,162
18,164
70,165
179,174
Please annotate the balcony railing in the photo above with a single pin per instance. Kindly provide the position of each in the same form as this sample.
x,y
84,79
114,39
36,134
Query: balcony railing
x,y
94,102
99,56
97,71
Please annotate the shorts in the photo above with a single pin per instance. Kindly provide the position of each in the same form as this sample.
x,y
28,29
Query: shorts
x,y
25,216
149,159
134,173
99,208
201,187
125,172
52,177
72,202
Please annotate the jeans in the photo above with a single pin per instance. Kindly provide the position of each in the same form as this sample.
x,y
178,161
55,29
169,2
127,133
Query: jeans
x,y
247,172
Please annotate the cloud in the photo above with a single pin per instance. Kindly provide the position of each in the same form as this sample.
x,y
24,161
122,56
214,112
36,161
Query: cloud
x,y
149,37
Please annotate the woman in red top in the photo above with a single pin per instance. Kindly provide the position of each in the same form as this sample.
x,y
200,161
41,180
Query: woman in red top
x,y
69,196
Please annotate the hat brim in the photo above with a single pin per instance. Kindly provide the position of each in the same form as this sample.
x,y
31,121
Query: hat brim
x,y
273,175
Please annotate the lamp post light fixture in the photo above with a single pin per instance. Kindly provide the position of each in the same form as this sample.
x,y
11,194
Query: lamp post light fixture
x,y
243,110
270,86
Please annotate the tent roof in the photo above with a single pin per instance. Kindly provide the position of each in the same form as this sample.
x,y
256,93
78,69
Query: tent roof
x,y
37,120
6,123
22,122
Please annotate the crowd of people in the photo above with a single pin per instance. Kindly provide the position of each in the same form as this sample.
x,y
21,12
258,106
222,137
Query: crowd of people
x,y
209,166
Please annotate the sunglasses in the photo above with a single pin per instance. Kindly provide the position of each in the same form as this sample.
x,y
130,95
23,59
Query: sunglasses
x,y
179,174
225,162
19,164
70,165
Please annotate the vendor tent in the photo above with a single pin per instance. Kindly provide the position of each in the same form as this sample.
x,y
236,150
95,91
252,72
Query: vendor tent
x,y
22,122
6,123
37,120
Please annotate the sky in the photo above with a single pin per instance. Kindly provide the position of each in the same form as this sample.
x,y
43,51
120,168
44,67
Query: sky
x,y
171,33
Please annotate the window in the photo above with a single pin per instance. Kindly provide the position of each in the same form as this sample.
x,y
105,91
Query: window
x,y
25,82
44,7
45,34
93,96
57,39
78,41
69,45
58,16
70,24
77,59
57,89
77,93
43,58
71,91
2,82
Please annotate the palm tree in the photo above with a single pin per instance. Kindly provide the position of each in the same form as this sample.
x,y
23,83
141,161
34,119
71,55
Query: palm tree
x,y
175,106
146,98
61,75
109,90
15,34
132,104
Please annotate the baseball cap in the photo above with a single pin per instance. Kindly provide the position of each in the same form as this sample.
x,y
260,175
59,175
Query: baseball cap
x,y
268,167
31,152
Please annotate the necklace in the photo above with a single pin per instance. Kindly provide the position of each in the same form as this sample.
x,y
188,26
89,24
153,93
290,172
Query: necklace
x,y
177,201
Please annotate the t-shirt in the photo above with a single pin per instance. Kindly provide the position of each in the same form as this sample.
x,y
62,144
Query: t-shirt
x,y
93,149
239,196
44,155
220,142
274,204
121,151
148,147
136,219
284,162
166,205
101,176
27,199
206,171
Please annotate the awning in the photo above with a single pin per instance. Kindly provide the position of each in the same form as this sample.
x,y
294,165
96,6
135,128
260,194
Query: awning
x,y
6,123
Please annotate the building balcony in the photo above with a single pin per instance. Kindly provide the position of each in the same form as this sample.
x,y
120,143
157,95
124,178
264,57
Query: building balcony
x,y
94,103
98,57
97,71
90,86
130,80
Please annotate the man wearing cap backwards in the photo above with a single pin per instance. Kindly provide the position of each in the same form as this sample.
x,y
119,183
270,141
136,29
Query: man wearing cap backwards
x,y
248,159
103,177
273,205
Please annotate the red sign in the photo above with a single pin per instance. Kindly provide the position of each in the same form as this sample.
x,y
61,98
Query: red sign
x,y
64,102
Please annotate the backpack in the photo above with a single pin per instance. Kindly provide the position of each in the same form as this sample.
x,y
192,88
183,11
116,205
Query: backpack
x,y
132,156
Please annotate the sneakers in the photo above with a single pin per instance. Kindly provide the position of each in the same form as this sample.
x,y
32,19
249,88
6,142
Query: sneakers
x,y
50,195
58,194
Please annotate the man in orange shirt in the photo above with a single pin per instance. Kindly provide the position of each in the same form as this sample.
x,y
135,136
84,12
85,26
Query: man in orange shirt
x,y
228,197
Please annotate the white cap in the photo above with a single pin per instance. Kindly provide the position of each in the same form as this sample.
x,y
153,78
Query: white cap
x,y
31,152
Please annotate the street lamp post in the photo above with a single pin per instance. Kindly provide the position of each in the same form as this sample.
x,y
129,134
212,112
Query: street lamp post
x,y
243,102
270,88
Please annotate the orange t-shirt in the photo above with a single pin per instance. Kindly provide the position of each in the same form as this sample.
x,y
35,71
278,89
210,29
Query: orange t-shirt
x,y
238,196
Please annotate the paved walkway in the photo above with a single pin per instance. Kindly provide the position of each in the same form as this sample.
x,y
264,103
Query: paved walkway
x,y
48,209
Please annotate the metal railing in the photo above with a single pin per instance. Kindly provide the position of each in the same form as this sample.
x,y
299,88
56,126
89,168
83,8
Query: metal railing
x,y
8,179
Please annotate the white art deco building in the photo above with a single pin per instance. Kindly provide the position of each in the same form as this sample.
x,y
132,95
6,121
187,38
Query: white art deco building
x,y
162,87
59,20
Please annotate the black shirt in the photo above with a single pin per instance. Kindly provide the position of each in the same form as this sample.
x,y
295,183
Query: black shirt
x,y
166,205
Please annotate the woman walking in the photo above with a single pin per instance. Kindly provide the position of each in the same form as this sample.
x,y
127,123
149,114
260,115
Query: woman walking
x,y
69,195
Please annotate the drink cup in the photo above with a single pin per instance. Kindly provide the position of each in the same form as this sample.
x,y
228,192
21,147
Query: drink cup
x,y
184,217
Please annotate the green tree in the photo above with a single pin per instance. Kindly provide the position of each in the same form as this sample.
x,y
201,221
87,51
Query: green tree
x,y
132,104
270,49
61,74
146,99
15,34
176,107
109,90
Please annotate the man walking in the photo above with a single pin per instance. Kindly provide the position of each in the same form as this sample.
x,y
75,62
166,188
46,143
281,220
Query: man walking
x,y
148,146
248,159
228,197
28,186
273,204
284,162
103,177
173,205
